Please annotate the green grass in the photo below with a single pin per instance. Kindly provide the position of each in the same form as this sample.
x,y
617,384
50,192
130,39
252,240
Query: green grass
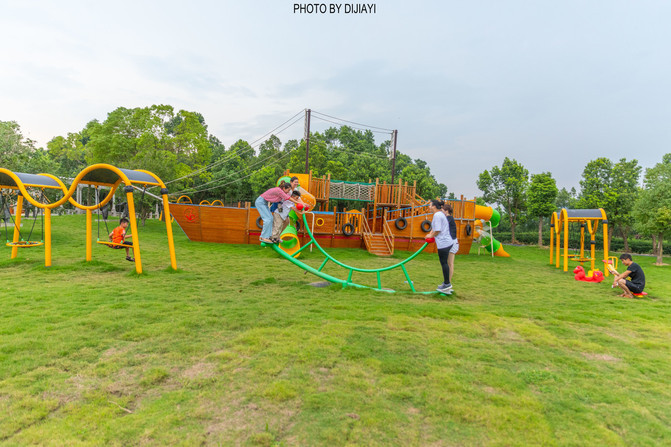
x,y
236,348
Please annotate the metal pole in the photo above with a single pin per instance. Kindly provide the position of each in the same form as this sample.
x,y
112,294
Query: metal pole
x,y
394,134
307,140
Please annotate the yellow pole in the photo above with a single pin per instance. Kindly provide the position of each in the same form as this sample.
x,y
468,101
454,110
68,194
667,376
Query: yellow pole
x,y
593,251
88,235
47,237
17,225
582,241
552,235
566,245
605,243
133,228
168,228
558,244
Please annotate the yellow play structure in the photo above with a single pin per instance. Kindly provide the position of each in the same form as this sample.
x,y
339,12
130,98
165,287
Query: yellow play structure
x,y
97,175
589,221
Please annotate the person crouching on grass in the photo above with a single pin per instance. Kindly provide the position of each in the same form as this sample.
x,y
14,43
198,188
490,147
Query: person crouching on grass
x,y
440,230
636,283
118,236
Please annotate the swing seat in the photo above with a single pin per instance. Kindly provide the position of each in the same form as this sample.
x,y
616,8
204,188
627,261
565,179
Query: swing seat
x,y
25,244
114,244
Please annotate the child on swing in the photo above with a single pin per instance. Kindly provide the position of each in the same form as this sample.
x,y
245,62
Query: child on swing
x,y
118,236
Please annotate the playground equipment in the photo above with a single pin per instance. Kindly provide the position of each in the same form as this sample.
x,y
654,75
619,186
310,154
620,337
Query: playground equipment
x,y
19,182
394,218
492,217
346,282
585,219
591,276
99,175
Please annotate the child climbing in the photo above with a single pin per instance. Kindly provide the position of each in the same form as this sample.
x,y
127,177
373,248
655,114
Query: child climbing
x,y
281,216
118,236
273,195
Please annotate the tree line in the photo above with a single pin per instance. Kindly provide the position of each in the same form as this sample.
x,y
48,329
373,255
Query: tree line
x,y
177,146
631,209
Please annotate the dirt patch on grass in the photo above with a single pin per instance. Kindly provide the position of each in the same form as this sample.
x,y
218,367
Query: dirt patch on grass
x,y
201,370
236,421
601,357
509,335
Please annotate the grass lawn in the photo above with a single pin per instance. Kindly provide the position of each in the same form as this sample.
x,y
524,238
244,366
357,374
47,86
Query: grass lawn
x,y
237,349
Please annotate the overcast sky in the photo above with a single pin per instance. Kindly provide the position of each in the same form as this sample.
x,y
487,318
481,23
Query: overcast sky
x,y
551,84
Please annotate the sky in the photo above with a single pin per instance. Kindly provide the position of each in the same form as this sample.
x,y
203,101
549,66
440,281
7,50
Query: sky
x,y
466,84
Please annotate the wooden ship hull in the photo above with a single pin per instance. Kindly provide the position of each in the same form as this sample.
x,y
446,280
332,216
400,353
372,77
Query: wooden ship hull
x,y
395,218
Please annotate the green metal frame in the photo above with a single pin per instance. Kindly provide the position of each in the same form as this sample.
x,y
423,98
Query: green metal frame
x,y
348,282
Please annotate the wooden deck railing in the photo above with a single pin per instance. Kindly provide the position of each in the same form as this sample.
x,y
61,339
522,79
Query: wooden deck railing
x,y
388,237
318,188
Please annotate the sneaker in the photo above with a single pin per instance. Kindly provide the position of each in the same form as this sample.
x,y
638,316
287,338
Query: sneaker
x,y
128,258
267,241
444,287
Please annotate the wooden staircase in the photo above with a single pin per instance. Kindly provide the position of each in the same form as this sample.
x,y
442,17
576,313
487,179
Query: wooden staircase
x,y
376,244
380,244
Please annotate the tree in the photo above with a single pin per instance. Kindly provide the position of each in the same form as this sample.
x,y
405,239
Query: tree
x,y
612,187
652,210
15,149
566,199
506,186
596,190
541,199
625,178
70,151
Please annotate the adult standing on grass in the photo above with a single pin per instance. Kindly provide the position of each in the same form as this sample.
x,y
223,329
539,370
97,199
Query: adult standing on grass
x,y
441,232
636,283
273,195
449,213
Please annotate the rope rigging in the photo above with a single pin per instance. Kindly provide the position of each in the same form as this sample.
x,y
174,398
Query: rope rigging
x,y
253,145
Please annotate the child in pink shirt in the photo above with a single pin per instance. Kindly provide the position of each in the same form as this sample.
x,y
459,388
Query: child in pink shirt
x,y
273,195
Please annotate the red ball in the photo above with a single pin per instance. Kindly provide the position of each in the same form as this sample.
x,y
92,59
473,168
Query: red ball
x,y
307,207
299,206
430,240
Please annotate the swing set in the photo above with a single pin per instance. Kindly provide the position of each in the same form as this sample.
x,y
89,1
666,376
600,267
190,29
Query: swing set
x,y
99,175
18,183
582,222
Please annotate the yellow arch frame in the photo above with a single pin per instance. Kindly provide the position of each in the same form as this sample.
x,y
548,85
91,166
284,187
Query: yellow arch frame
x,y
67,197
559,224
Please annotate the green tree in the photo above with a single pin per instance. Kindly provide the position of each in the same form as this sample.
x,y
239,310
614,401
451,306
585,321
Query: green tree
x,y
152,138
625,178
596,189
652,210
506,186
69,152
541,199
15,149
566,199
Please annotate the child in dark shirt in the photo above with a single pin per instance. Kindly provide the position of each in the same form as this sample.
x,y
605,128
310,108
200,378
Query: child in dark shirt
x,y
636,281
